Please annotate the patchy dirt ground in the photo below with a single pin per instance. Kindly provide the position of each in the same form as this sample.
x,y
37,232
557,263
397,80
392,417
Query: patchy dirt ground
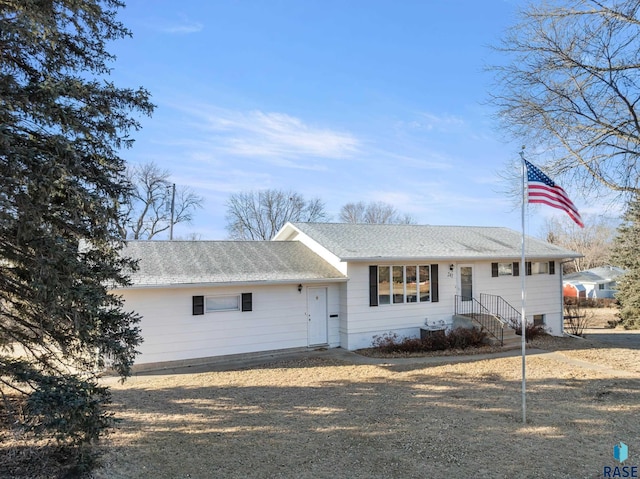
x,y
338,414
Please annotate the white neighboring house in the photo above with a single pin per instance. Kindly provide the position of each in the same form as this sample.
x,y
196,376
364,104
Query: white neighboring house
x,y
333,285
598,282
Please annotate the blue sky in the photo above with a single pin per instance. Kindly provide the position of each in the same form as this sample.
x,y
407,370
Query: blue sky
x,y
342,100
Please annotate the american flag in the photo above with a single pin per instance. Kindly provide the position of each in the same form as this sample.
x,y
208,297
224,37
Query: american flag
x,y
543,190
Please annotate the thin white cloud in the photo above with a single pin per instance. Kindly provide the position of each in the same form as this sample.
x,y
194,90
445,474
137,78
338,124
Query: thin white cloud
x,y
282,138
183,28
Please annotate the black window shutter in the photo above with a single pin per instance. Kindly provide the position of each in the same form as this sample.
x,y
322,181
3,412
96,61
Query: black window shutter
x,y
434,283
516,269
494,270
528,266
552,267
198,305
247,302
373,286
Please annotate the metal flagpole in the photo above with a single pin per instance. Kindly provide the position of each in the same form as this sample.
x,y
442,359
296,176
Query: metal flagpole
x,y
173,209
523,275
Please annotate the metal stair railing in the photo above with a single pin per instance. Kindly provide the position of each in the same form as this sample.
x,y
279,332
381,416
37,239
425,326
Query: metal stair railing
x,y
473,309
501,308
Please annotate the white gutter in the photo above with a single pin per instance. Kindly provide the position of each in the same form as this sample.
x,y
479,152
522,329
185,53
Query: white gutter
x,y
236,283
369,259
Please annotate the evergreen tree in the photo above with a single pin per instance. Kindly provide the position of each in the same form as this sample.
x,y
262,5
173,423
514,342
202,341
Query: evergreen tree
x,y
625,255
62,183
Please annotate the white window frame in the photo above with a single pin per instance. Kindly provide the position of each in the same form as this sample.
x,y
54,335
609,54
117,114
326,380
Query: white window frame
x,y
404,283
505,269
540,267
222,298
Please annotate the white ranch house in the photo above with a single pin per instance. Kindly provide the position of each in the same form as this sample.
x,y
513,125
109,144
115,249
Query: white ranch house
x,y
332,285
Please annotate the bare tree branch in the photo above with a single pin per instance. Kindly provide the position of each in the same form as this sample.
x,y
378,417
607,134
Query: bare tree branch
x,y
148,212
594,241
571,88
375,212
259,215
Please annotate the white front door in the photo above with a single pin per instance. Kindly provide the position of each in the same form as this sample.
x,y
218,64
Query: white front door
x,y
317,315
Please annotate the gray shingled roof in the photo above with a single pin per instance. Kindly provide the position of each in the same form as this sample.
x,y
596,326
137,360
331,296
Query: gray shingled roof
x,y
353,242
602,274
202,262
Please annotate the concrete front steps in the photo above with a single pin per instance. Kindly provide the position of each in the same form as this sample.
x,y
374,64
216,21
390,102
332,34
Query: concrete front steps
x,y
510,339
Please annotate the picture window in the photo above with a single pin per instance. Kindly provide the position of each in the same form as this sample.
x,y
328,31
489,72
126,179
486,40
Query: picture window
x,y
403,284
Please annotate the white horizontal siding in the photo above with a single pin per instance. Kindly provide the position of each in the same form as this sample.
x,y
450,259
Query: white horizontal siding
x,y
543,293
171,332
365,322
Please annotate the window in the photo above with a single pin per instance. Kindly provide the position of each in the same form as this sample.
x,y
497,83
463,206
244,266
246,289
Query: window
x,y
412,283
229,302
401,284
538,319
601,286
222,303
505,269
424,283
398,284
384,288
540,268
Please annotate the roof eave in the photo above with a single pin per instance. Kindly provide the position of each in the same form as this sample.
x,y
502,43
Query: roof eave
x,y
238,283
455,258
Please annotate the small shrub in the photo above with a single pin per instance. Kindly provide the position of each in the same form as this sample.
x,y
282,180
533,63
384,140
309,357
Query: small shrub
x,y
576,319
459,338
436,341
463,338
386,343
391,343
531,331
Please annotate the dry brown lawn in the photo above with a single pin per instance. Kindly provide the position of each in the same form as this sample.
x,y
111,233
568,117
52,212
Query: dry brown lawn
x,y
334,414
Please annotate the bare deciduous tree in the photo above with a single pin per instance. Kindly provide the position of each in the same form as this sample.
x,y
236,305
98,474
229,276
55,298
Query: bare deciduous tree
x,y
594,241
571,87
148,212
377,212
258,215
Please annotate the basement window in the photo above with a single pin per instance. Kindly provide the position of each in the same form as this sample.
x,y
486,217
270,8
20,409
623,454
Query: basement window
x,y
538,319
